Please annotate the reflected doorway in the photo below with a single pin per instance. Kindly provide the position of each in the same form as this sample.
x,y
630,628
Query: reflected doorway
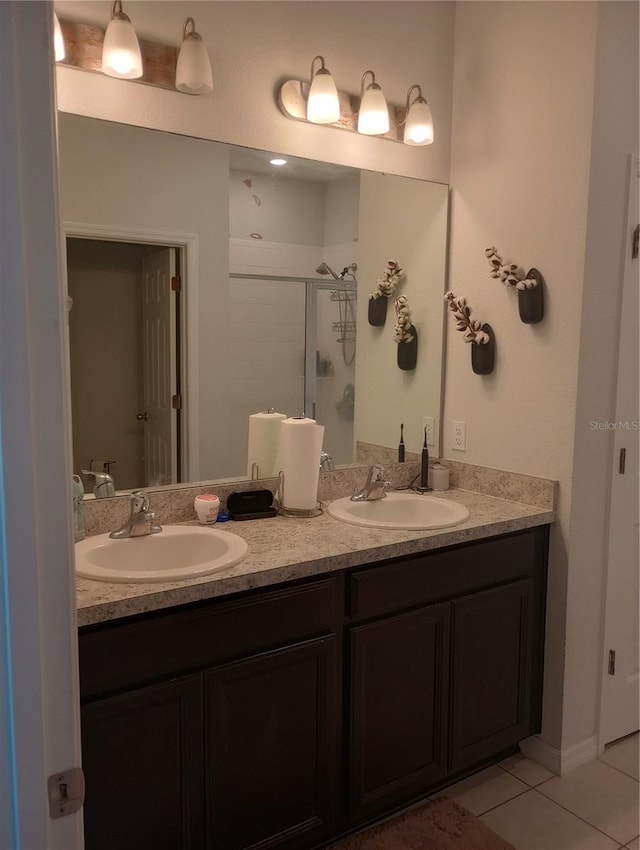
x,y
124,327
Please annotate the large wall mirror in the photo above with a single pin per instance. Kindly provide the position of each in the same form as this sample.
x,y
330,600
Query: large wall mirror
x,y
208,284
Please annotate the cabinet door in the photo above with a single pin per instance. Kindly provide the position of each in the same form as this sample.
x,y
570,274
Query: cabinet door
x,y
271,732
143,763
491,672
399,683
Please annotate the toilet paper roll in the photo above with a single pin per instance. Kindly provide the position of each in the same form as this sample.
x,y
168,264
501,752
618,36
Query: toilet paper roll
x,y
300,447
264,443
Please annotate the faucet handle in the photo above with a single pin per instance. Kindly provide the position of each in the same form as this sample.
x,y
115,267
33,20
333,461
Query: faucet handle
x,y
139,502
376,473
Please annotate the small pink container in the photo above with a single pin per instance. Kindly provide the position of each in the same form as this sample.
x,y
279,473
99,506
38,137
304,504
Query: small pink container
x,y
206,507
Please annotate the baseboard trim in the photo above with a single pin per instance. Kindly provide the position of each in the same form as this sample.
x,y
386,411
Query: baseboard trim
x,y
560,761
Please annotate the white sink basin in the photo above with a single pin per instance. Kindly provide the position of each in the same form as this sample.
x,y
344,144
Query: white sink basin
x,y
404,511
177,552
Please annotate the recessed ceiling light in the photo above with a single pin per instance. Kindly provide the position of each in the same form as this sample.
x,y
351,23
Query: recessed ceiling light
x,y
278,161
256,235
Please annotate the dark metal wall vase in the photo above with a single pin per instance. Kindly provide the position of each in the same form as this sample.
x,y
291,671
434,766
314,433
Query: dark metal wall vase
x,y
530,287
406,335
479,335
385,287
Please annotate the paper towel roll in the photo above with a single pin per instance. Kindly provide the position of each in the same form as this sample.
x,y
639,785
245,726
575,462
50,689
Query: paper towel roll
x,y
264,442
300,447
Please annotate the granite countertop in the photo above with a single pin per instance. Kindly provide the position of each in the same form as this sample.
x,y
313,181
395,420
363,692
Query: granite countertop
x,y
282,549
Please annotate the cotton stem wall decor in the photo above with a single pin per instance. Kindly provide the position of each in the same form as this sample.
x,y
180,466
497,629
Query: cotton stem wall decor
x,y
385,287
406,335
478,334
529,287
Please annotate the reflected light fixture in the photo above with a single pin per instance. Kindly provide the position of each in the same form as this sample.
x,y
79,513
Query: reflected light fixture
x,y
193,69
278,161
58,41
323,104
373,116
120,51
418,122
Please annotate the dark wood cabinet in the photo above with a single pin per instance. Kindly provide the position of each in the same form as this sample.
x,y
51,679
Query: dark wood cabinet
x,y
271,744
398,708
143,760
282,718
491,680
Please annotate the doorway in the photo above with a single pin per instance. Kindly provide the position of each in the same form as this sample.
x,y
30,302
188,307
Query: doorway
x,y
124,342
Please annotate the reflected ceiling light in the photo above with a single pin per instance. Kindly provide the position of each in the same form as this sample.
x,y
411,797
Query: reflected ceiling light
x,y
58,41
373,116
418,122
193,70
278,161
120,51
323,104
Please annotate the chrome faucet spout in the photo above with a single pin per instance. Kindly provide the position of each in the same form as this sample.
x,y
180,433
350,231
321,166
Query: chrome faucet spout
x,y
141,522
374,487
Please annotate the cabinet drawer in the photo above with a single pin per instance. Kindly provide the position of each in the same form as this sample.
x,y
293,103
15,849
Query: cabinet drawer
x,y
441,575
117,656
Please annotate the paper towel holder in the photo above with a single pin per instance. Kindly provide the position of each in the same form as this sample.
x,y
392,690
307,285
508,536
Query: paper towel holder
x,y
300,513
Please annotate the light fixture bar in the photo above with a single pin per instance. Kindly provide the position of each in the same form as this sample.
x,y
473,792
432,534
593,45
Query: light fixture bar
x,y
292,101
83,43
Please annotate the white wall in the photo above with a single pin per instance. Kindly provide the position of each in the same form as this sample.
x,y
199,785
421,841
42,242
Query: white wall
x,y
164,184
255,46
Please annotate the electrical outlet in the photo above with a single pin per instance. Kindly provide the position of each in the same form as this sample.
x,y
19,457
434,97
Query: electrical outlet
x,y
428,423
459,435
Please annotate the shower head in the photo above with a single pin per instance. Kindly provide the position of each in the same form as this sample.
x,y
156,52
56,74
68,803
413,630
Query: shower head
x,y
323,268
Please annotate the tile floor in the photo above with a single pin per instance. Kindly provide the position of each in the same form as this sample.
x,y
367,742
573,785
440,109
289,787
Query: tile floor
x,y
594,807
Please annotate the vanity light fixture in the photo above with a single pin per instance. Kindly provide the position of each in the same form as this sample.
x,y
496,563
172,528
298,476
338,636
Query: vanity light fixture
x,y
418,122
373,115
193,70
323,104
121,55
58,41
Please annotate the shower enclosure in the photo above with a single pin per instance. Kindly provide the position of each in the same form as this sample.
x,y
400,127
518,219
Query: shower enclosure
x,y
294,351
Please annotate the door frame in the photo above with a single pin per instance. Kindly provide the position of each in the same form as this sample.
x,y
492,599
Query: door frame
x,y
633,175
189,320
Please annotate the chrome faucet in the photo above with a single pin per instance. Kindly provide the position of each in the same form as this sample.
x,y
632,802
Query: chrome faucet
x,y
141,520
326,461
374,487
103,486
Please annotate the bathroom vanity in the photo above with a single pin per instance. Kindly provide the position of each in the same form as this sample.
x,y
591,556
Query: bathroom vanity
x,y
286,715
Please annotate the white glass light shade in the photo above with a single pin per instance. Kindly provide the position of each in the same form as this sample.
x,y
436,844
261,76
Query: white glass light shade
x,y
323,104
418,128
373,117
58,41
121,55
193,70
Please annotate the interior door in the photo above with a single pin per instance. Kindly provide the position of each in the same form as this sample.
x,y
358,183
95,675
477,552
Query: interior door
x,y
620,703
160,368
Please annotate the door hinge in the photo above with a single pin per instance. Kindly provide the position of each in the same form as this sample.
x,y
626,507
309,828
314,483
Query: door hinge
x,y
176,283
612,662
66,792
635,243
176,402
622,461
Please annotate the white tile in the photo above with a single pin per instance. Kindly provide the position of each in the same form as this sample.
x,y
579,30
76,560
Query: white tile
x,y
600,795
526,770
532,822
486,789
623,755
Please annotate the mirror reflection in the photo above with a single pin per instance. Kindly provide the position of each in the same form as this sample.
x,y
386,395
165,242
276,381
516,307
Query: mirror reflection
x,y
209,284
